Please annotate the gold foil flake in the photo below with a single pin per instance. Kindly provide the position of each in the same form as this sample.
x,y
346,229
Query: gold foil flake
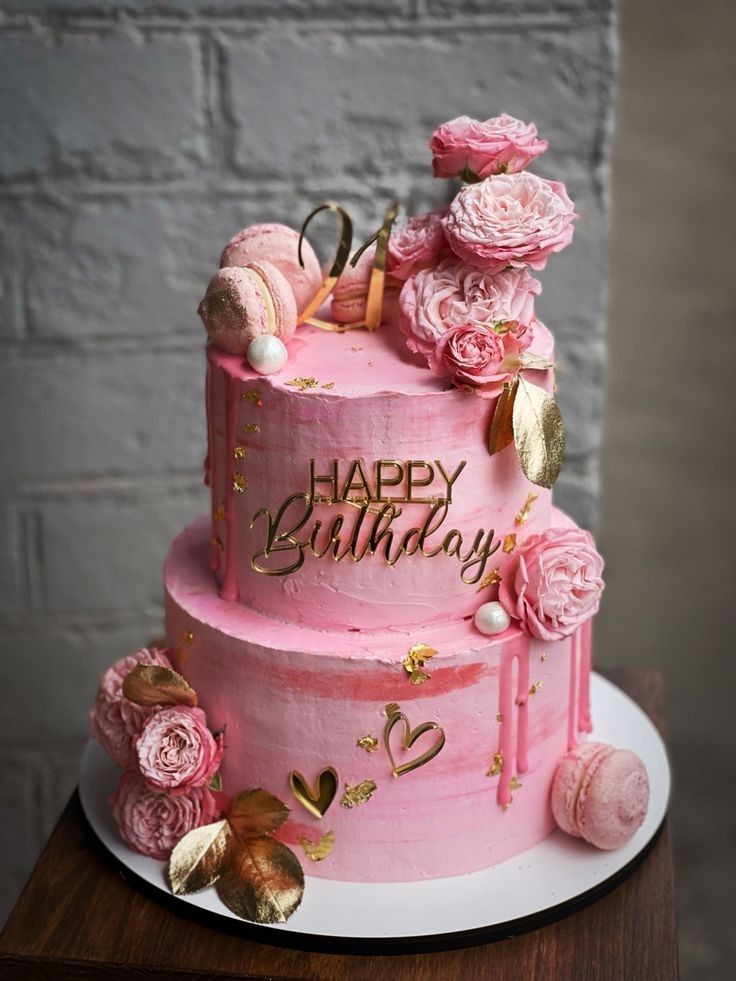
x,y
197,860
514,784
355,347
239,452
240,483
371,363
415,660
492,579
543,656
220,513
317,801
408,738
251,427
538,434
262,881
317,850
354,796
303,384
535,687
499,717
217,542
509,543
188,637
522,515
391,709
505,807
368,743
253,397
497,765
151,684
328,385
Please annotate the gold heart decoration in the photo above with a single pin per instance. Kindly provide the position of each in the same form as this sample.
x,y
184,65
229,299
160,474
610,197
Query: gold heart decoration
x,y
316,801
409,737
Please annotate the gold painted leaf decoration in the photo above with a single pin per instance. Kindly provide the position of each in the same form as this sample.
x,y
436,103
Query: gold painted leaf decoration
x,y
317,850
502,431
256,812
199,858
151,684
538,434
263,881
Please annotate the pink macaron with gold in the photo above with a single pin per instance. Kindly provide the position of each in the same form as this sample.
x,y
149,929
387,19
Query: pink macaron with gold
x,y
350,295
600,794
245,302
279,245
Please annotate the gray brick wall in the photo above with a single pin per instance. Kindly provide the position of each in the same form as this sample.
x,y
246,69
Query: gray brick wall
x,y
135,137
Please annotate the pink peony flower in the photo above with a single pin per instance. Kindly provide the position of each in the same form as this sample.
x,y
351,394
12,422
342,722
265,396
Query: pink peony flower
x,y
176,751
473,355
510,220
153,823
454,294
116,722
552,582
471,149
415,244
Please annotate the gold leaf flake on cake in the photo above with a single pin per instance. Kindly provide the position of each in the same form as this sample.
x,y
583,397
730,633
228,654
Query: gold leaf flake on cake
x,y
355,347
354,796
499,717
188,637
497,765
415,660
303,384
317,850
514,784
543,656
391,709
239,452
522,515
328,385
217,542
491,579
535,687
371,363
253,397
240,483
220,513
368,743
509,543
251,427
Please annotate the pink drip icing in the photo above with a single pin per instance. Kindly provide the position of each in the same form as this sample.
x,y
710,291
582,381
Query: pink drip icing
x,y
586,648
517,762
209,469
571,731
229,587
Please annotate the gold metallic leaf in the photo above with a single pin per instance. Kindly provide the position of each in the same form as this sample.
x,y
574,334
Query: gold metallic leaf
x,y
368,743
415,660
538,434
354,796
526,361
316,801
199,858
493,578
317,850
509,543
502,430
263,881
522,515
150,684
497,765
256,812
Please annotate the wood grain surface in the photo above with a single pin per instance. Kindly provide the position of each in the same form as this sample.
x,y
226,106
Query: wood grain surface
x,y
78,919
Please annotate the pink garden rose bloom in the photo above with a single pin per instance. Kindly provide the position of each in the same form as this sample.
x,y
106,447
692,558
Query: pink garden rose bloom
x,y
473,355
510,220
552,582
415,244
469,148
153,823
116,722
176,751
454,294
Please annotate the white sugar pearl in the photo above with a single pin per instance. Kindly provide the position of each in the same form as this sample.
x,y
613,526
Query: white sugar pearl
x,y
267,354
491,618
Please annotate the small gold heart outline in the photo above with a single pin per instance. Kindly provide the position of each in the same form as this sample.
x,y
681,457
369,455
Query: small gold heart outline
x,y
409,737
317,802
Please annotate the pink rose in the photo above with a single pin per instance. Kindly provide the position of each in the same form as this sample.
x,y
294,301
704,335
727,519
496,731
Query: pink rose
x,y
153,823
176,751
552,582
510,220
471,149
453,294
473,355
415,244
116,722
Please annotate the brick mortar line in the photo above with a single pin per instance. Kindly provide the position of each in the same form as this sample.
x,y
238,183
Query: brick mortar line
x,y
150,620
162,485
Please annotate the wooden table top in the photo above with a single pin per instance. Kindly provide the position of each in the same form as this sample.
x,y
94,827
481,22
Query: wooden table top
x,y
78,919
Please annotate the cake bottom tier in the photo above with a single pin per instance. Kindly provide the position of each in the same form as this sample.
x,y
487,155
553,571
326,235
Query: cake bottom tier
x,y
459,781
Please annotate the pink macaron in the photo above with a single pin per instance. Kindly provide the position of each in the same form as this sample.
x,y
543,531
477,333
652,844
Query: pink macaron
x,y
244,302
350,294
600,794
279,245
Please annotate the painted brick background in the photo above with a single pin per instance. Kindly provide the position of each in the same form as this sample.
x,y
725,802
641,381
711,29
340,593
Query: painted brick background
x,y
135,138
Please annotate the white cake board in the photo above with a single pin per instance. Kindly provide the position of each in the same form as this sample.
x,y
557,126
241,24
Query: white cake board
x,y
554,878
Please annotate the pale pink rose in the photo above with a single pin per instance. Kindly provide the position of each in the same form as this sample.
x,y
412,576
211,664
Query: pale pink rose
x,y
153,823
176,750
454,294
473,355
510,220
472,149
415,244
116,722
552,582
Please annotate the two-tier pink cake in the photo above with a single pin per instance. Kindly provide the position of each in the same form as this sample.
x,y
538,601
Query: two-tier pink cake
x,y
386,623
